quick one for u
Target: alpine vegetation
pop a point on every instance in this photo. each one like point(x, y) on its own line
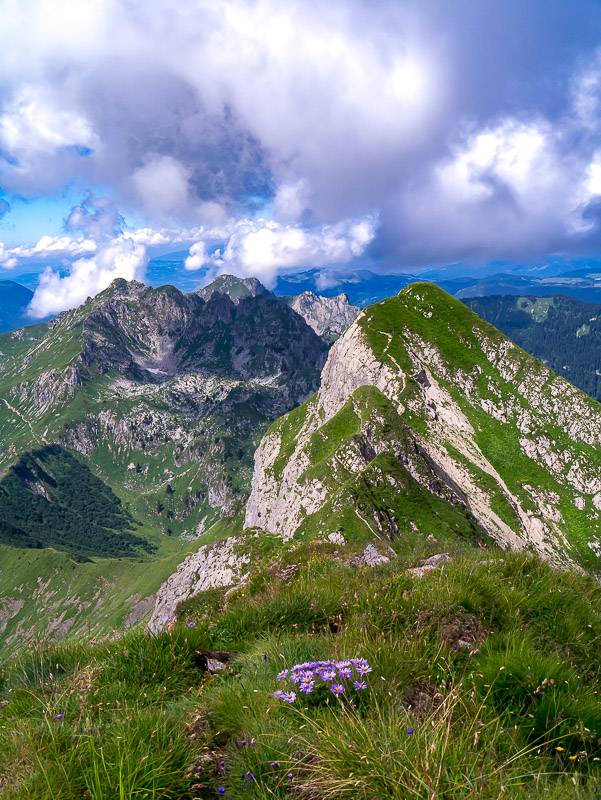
point(335, 676)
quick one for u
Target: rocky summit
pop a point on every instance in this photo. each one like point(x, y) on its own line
point(328, 316)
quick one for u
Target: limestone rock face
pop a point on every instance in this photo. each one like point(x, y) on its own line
point(423, 382)
point(211, 567)
point(328, 316)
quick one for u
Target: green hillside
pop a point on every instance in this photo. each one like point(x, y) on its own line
point(484, 683)
point(423, 382)
point(563, 332)
point(405, 613)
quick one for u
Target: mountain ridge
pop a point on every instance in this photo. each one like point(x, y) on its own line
point(563, 332)
point(161, 397)
point(458, 394)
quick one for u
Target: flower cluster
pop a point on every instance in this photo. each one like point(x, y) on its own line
point(335, 675)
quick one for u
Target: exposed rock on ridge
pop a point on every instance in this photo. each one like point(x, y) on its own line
point(211, 567)
point(328, 316)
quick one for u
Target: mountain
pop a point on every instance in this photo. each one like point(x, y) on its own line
point(235, 288)
point(328, 316)
point(563, 332)
point(127, 428)
point(362, 287)
point(584, 284)
point(406, 615)
point(428, 418)
point(14, 300)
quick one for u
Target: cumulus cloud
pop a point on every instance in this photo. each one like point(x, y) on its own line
point(121, 258)
point(473, 128)
point(96, 217)
point(7, 260)
point(34, 124)
point(47, 247)
point(291, 201)
point(515, 188)
point(261, 248)
point(162, 185)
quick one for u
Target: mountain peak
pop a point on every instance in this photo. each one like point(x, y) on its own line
point(420, 386)
point(328, 316)
point(234, 287)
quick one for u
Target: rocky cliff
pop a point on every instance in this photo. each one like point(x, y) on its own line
point(420, 394)
point(328, 316)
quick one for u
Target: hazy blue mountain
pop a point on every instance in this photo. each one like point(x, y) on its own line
point(582, 284)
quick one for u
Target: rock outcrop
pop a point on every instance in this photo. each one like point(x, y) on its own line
point(328, 316)
point(212, 566)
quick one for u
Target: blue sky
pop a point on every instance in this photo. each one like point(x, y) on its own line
point(263, 136)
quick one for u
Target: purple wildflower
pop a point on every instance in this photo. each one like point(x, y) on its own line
point(345, 673)
point(59, 716)
point(409, 731)
point(362, 666)
point(328, 675)
point(283, 675)
point(250, 776)
point(221, 790)
point(190, 624)
point(288, 697)
point(279, 694)
point(359, 685)
point(306, 687)
point(275, 764)
point(337, 689)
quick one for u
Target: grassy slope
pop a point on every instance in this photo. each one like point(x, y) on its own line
point(456, 331)
point(85, 599)
point(515, 714)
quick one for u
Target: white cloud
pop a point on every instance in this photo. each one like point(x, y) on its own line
point(261, 248)
point(343, 107)
point(7, 260)
point(122, 258)
point(33, 124)
point(519, 156)
point(47, 247)
point(198, 256)
point(162, 185)
point(290, 201)
point(511, 188)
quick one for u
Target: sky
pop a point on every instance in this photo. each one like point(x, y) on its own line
point(274, 135)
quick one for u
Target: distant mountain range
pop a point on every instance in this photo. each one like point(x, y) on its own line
point(364, 287)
